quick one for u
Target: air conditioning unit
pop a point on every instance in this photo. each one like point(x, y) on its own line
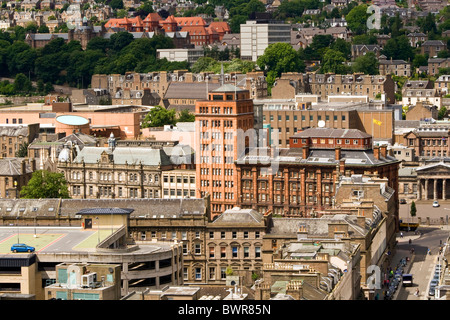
point(88, 280)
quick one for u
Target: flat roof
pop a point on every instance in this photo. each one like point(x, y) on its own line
point(57, 240)
point(72, 120)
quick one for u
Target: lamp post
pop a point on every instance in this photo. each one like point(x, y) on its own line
point(98, 230)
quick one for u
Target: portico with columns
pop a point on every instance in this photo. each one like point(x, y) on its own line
point(433, 181)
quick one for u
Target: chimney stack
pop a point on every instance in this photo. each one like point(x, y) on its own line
point(305, 152)
point(376, 152)
point(337, 153)
point(361, 220)
point(383, 151)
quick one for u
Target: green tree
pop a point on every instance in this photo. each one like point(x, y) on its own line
point(43, 29)
point(22, 83)
point(23, 150)
point(357, 19)
point(204, 64)
point(442, 113)
point(342, 46)
point(398, 48)
point(420, 60)
point(45, 184)
point(158, 117)
point(279, 58)
point(413, 209)
point(368, 64)
point(333, 62)
point(116, 4)
point(186, 116)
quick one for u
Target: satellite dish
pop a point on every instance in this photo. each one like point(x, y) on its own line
point(321, 124)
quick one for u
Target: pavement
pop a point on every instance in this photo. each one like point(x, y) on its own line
point(395, 258)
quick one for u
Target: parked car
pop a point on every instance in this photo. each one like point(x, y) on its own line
point(21, 247)
point(402, 201)
point(435, 204)
point(432, 291)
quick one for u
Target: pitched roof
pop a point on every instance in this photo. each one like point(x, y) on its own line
point(240, 216)
point(122, 155)
point(12, 166)
point(333, 133)
point(227, 88)
point(195, 90)
point(190, 21)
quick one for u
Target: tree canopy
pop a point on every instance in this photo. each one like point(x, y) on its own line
point(279, 58)
point(45, 184)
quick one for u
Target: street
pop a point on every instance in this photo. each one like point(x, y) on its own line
point(421, 264)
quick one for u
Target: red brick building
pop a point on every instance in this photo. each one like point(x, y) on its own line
point(218, 121)
point(199, 31)
point(303, 177)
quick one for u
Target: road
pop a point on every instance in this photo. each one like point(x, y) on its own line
point(421, 264)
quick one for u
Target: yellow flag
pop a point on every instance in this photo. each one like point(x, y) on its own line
point(377, 122)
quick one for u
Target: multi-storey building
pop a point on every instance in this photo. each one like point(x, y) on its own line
point(178, 184)
point(104, 172)
point(428, 141)
point(442, 84)
point(160, 84)
point(256, 37)
point(394, 67)
point(356, 84)
point(432, 47)
point(284, 118)
point(15, 135)
point(292, 181)
point(15, 174)
point(220, 119)
point(434, 64)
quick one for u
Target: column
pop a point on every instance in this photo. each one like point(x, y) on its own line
point(444, 183)
point(435, 189)
point(426, 189)
point(419, 189)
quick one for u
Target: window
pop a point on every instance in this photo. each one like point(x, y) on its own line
point(234, 252)
point(197, 248)
point(223, 273)
point(246, 252)
point(211, 252)
point(198, 274)
point(257, 252)
point(212, 273)
point(223, 252)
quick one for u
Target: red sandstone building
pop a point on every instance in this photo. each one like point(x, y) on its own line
point(303, 177)
point(200, 33)
point(218, 121)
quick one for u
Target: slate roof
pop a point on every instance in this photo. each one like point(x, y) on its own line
point(227, 88)
point(14, 131)
point(122, 155)
point(315, 157)
point(238, 215)
point(182, 90)
point(108, 211)
point(12, 166)
point(331, 133)
point(149, 208)
point(314, 226)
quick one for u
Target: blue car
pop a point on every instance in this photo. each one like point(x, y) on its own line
point(21, 247)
